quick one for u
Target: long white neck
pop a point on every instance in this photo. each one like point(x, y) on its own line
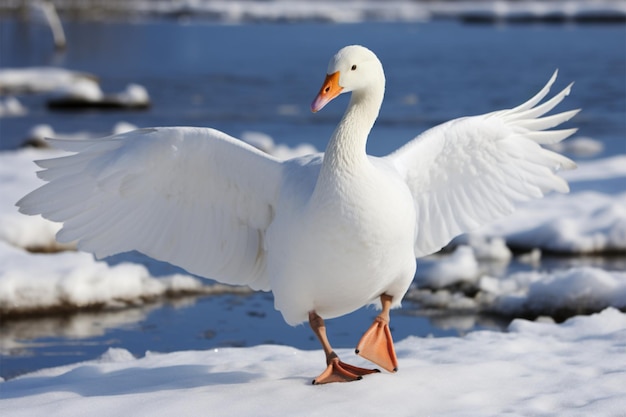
point(345, 152)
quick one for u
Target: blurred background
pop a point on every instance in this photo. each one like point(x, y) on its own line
point(90, 68)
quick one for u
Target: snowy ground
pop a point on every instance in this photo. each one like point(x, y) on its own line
point(577, 368)
point(65, 88)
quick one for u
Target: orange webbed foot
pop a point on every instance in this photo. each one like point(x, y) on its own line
point(376, 346)
point(338, 371)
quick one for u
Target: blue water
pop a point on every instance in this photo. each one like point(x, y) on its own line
point(236, 78)
point(241, 78)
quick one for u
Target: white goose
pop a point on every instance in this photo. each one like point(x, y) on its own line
point(327, 233)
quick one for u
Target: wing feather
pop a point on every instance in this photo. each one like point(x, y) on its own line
point(194, 197)
point(542, 109)
point(469, 171)
point(546, 122)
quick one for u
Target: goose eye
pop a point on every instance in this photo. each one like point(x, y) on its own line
point(353, 67)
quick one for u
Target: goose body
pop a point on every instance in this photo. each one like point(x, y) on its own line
point(327, 233)
point(331, 270)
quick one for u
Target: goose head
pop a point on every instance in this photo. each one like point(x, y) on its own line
point(353, 69)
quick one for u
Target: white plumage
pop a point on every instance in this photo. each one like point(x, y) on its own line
point(326, 233)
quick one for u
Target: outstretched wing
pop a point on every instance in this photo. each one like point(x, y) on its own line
point(194, 197)
point(470, 171)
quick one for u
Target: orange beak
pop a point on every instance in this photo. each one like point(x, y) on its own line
point(330, 89)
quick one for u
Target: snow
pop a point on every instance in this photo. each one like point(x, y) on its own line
point(558, 294)
point(576, 369)
point(573, 291)
point(265, 143)
point(591, 219)
point(439, 272)
point(11, 106)
point(83, 88)
point(84, 93)
point(66, 86)
point(71, 280)
point(42, 79)
point(133, 95)
point(17, 175)
point(350, 11)
point(471, 280)
point(38, 134)
point(579, 146)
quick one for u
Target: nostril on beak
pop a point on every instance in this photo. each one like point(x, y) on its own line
point(327, 89)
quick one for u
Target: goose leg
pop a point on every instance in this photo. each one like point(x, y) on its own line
point(376, 345)
point(336, 370)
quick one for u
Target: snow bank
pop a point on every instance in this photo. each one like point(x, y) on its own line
point(459, 282)
point(465, 265)
point(559, 294)
point(83, 94)
point(17, 177)
point(443, 271)
point(42, 79)
point(133, 95)
point(573, 369)
point(83, 88)
point(591, 219)
point(349, 11)
point(69, 89)
point(72, 280)
point(540, 11)
point(38, 134)
point(10, 107)
point(581, 146)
